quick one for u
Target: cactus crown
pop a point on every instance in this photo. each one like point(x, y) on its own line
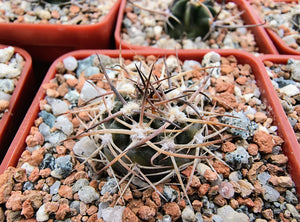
point(194, 18)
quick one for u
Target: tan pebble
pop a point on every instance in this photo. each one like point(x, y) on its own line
point(93, 218)
point(264, 141)
point(135, 205)
point(34, 176)
point(280, 159)
point(60, 68)
point(52, 93)
point(81, 175)
point(278, 140)
point(132, 16)
point(61, 150)
point(3, 105)
point(210, 175)
point(234, 203)
point(70, 179)
point(195, 182)
point(268, 63)
point(5, 191)
point(92, 209)
point(37, 157)
point(247, 202)
point(55, 14)
point(228, 147)
point(45, 172)
point(50, 85)
point(203, 189)
point(260, 117)
point(241, 80)
point(50, 181)
point(221, 86)
point(20, 175)
point(221, 168)
point(252, 149)
point(18, 187)
point(128, 215)
point(156, 198)
point(38, 121)
point(63, 89)
point(14, 202)
point(197, 205)
point(65, 191)
point(27, 209)
point(36, 139)
point(74, 9)
point(268, 122)
point(62, 211)
point(85, 218)
point(268, 214)
point(72, 82)
point(219, 200)
point(84, 116)
point(146, 213)
point(173, 210)
point(39, 185)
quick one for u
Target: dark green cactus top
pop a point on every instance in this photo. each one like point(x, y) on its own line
point(194, 17)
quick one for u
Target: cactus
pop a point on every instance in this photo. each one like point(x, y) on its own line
point(153, 129)
point(195, 18)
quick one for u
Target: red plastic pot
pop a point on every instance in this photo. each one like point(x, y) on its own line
point(18, 104)
point(46, 42)
point(291, 146)
point(282, 47)
point(262, 39)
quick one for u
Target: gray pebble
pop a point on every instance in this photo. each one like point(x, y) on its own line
point(88, 194)
point(270, 194)
point(79, 184)
point(170, 194)
point(55, 187)
point(63, 167)
point(48, 118)
point(110, 186)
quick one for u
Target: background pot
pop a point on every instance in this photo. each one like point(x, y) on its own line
point(48, 41)
point(281, 46)
point(263, 41)
point(18, 104)
point(291, 147)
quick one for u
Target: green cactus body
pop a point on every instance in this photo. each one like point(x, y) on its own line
point(195, 18)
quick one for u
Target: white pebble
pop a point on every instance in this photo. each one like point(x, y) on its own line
point(59, 107)
point(188, 215)
point(70, 63)
point(290, 90)
point(84, 147)
point(64, 124)
point(7, 71)
point(88, 194)
point(113, 214)
point(6, 54)
point(41, 214)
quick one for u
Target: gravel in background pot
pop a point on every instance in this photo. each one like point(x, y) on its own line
point(282, 23)
point(138, 28)
point(17, 85)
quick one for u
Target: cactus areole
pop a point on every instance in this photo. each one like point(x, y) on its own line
point(195, 18)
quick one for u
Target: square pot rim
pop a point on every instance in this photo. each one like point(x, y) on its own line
point(290, 147)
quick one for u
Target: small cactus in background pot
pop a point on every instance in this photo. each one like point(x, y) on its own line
point(194, 18)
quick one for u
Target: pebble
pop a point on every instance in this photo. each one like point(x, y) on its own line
point(64, 124)
point(55, 187)
point(70, 63)
point(79, 184)
point(63, 167)
point(112, 214)
point(88, 194)
point(7, 85)
point(41, 214)
point(188, 215)
point(290, 90)
point(230, 215)
point(270, 194)
point(84, 147)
